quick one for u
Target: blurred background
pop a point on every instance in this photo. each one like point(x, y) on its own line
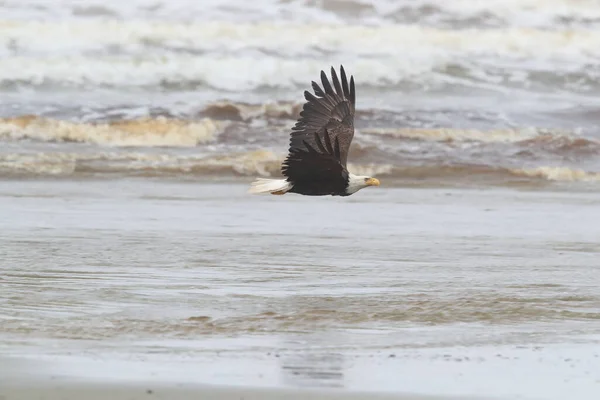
point(462, 92)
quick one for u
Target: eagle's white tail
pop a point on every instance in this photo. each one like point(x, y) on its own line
point(273, 186)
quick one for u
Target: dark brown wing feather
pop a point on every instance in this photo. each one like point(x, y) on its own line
point(327, 117)
point(316, 169)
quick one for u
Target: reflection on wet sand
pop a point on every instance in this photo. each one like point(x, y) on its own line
point(305, 369)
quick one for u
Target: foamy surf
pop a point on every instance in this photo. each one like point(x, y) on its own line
point(444, 134)
point(428, 155)
point(479, 135)
point(248, 56)
point(147, 132)
point(262, 163)
point(290, 39)
point(265, 166)
point(218, 116)
point(562, 174)
point(246, 111)
point(526, 13)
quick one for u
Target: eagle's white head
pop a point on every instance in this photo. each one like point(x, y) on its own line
point(357, 182)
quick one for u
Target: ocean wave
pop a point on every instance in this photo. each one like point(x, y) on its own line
point(112, 37)
point(457, 14)
point(559, 174)
point(236, 111)
point(247, 73)
point(189, 72)
point(243, 126)
point(260, 162)
point(267, 164)
point(242, 56)
point(543, 13)
point(527, 13)
point(448, 135)
point(148, 132)
point(543, 139)
point(481, 174)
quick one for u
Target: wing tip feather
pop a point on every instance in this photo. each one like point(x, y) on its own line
point(316, 115)
point(352, 91)
point(326, 84)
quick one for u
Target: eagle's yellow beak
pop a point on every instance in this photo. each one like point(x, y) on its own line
point(372, 182)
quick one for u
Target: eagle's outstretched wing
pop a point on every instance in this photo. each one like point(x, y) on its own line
point(323, 133)
point(320, 163)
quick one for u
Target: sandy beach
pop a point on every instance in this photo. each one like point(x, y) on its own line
point(134, 392)
point(441, 292)
point(499, 372)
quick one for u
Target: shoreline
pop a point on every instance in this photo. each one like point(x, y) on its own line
point(533, 371)
point(150, 390)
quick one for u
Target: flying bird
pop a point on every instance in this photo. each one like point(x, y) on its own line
point(319, 145)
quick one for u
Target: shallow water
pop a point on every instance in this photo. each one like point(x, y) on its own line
point(157, 270)
point(384, 259)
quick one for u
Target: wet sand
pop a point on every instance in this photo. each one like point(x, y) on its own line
point(500, 372)
point(149, 391)
point(110, 283)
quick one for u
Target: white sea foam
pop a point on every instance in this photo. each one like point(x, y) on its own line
point(262, 163)
point(545, 13)
point(37, 37)
point(247, 112)
point(266, 164)
point(564, 174)
point(488, 136)
point(236, 56)
point(144, 132)
point(59, 38)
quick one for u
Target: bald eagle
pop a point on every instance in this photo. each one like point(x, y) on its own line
point(319, 144)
